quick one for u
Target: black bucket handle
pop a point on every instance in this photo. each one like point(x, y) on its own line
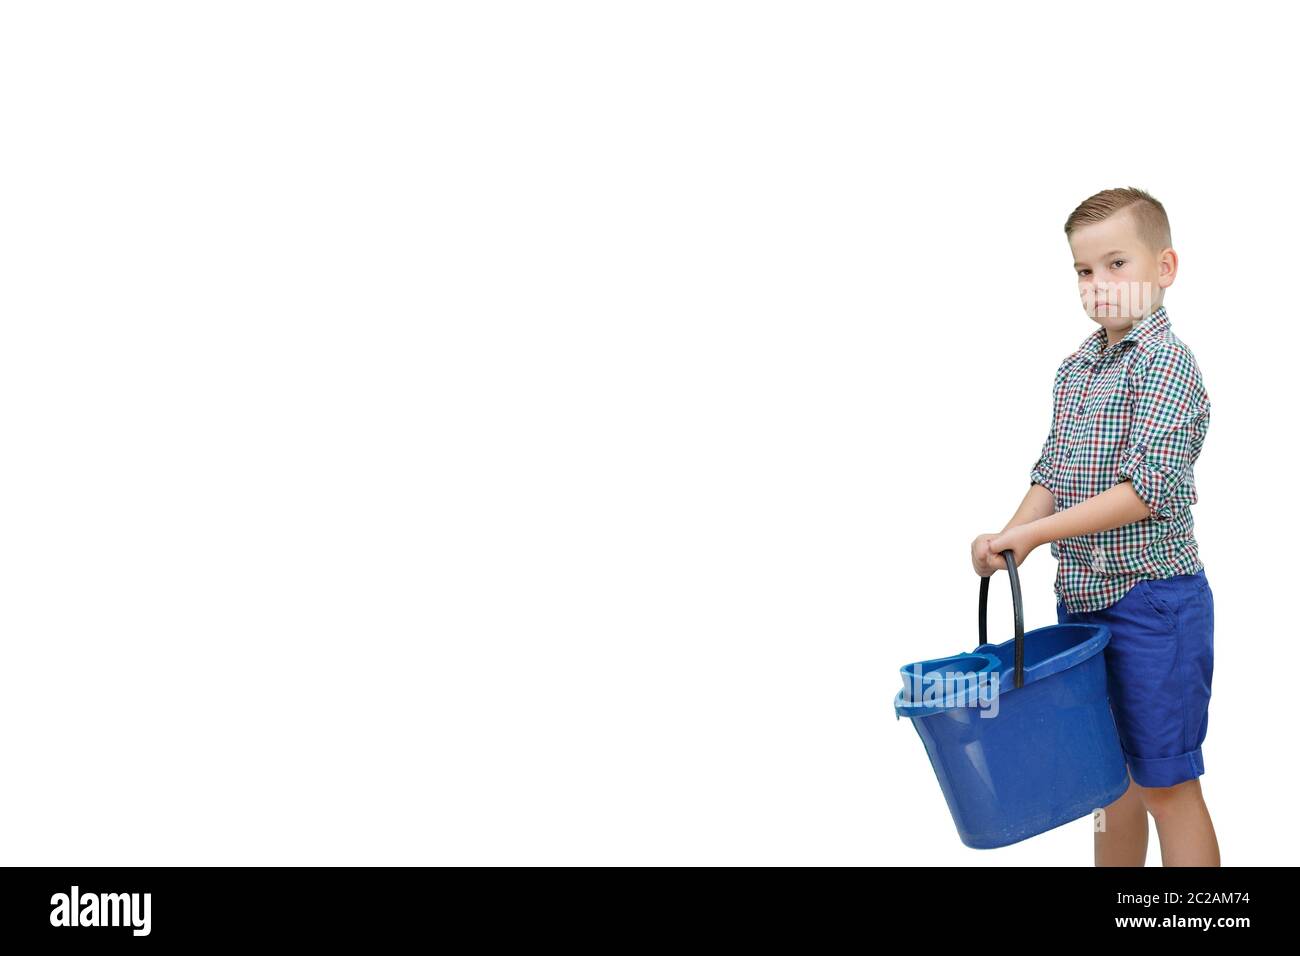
point(1010, 557)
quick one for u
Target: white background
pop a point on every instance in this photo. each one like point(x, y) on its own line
point(513, 433)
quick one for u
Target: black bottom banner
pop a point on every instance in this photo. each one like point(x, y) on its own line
point(912, 906)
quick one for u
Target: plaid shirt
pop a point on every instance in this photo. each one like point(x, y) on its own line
point(1136, 410)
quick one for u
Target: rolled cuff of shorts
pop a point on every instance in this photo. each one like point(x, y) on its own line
point(1151, 484)
point(1166, 771)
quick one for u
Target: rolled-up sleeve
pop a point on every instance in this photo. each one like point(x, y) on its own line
point(1171, 414)
point(1044, 470)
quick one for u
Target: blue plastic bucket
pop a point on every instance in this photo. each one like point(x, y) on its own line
point(1020, 734)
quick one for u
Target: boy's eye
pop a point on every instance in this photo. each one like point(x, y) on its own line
point(1118, 263)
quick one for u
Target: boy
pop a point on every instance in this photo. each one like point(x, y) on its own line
point(1112, 492)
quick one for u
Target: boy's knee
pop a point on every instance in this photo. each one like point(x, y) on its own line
point(1160, 799)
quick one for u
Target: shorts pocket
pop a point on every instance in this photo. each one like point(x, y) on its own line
point(1154, 599)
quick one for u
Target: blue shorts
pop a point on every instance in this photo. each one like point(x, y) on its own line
point(1159, 662)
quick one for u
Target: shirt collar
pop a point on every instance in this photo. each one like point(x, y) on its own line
point(1151, 325)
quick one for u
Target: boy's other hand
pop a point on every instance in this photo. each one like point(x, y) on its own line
point(983, 557)
point(1019, 540)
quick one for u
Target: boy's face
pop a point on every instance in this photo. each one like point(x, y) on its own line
point(1120, 278)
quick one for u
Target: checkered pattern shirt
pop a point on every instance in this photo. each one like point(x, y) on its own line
point(1135, 410)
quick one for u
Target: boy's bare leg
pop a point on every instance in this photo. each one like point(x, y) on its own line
point(1123, 842)
point(1183, 823)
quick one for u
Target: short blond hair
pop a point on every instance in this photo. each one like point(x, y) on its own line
point(1148, 214)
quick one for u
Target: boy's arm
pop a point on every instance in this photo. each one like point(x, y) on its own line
point(1038, 503)
point(1118, 505)
point(1171, 413)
